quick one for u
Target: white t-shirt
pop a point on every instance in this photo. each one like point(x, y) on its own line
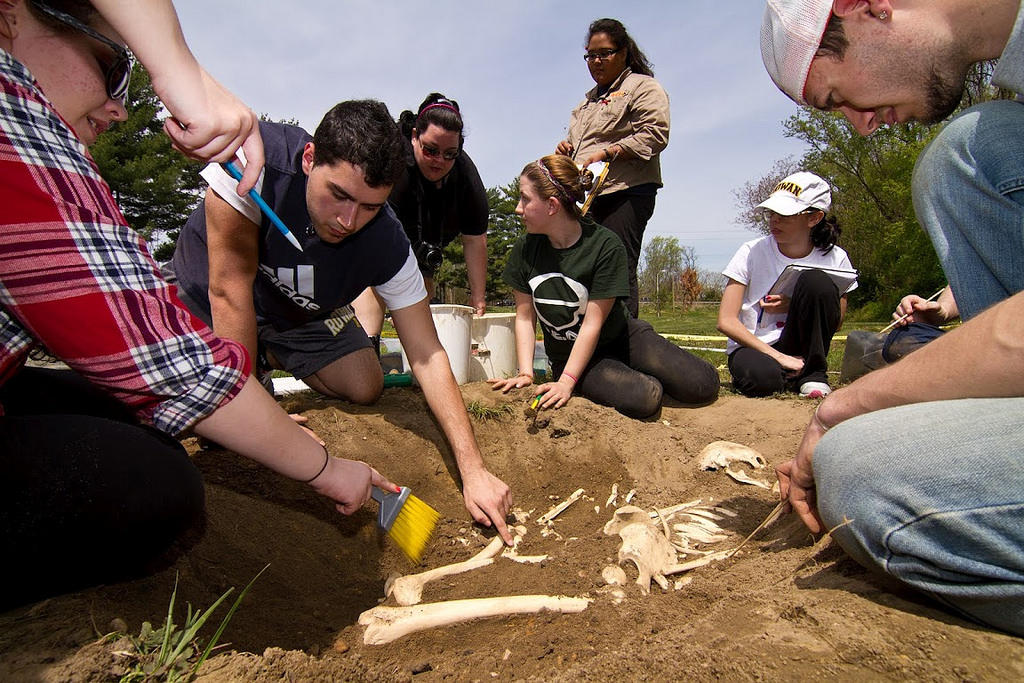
point(757, 264)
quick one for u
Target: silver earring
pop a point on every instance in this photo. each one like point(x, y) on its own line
point(883, 15)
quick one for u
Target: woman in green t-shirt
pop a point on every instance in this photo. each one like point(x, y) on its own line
point(571, 274)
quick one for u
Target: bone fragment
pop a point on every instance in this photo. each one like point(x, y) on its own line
point(719, 454)
point(614, 575)
point(625, 515)
point(742, 477)
point(408, 590)
point(511, 554)
point(385, 624)
point(560, 508)
point(613, 497)
point(629, 496)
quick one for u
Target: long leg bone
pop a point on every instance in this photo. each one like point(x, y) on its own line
point(385, 624)
point(408, 590)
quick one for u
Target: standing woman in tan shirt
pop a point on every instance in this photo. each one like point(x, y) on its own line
point(624, 119)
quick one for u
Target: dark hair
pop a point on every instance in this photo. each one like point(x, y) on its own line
point(636, 60)
point(833, 41)
point(362, 133)
point(82, 10)
point(437, 110)
point(825, 233)
point(556, 175)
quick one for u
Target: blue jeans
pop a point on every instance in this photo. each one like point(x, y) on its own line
point(969, 196)
point(935, 492)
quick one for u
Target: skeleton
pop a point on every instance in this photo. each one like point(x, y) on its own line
point(385, 624)
point(652, 540)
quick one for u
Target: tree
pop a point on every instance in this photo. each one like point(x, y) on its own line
point(665, 264)
point(503, 229)
point(156, 187)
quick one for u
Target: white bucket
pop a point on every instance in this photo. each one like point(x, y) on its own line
point(493, 353)
point(453, 324)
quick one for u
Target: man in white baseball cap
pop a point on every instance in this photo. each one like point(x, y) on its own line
point(947, 519)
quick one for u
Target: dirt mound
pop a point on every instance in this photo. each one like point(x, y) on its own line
point(777, 610)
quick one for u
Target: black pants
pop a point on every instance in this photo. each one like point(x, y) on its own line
point(87, 494)
point(626, 215)
point(648, 366)
point(813, 318)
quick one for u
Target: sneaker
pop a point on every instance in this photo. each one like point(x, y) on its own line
point(814, 390)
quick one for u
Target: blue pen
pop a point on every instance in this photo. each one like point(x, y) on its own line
point(278, 223)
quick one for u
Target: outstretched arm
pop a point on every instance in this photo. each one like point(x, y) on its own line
point(488, 498)
point(207, 122)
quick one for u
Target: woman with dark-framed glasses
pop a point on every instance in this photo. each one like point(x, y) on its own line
point(94, 486)
point(623, 120)
point(438, 198)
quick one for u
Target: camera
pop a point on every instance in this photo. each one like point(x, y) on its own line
point(429, 255)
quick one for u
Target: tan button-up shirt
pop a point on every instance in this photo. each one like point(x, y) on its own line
point(633, 114)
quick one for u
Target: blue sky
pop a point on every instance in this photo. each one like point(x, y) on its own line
point(516, 69)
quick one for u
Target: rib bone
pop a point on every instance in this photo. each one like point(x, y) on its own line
point(385, 624)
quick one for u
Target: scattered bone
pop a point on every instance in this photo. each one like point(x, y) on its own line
point(511, 554)
point(560, 508)
point(718, 455)
point(614, 497)
point(669, 511)
point(614, 575)
point(408, 590)
point(386, 624)
point(629, 496)
point(742, 477)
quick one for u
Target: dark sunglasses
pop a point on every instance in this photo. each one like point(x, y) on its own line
point(434, 152)
point(118, 73)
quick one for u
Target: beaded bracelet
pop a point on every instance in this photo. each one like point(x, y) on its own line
point(327, 459)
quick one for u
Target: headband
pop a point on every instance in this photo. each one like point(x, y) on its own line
point(439, 104)
point(558, 186)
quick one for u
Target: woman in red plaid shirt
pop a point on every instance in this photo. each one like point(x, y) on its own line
point(90, 474)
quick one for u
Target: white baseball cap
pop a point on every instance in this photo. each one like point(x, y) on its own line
point(799, 192)
point(791, 32)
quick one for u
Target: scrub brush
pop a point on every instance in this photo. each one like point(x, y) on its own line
point(408, 520)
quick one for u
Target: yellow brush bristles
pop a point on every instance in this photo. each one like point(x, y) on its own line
point(413, 528)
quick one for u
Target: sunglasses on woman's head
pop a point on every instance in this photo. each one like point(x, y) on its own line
point(118, 72)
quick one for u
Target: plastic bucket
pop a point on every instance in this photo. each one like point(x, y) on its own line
point(493, 349)
point(453, 325)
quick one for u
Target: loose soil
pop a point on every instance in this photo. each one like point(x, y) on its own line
point(780, 609)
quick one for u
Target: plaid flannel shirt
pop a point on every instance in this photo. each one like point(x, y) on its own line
point(76, 278)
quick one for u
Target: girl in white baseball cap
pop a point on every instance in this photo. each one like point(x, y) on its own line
point(780, 322)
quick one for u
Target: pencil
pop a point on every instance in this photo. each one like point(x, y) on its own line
point(903, 317)
point(255, 196)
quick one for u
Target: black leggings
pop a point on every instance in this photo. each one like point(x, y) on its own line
point(634, 381)
point(813, 318)
point(87, 495)
point(626, 215)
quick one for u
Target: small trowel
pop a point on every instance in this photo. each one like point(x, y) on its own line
point(533, 409)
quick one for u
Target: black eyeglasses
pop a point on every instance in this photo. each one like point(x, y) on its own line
point(118, 73)
point(434, 152)
point(600, 54)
